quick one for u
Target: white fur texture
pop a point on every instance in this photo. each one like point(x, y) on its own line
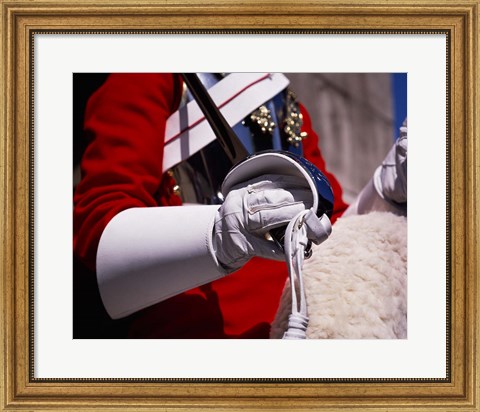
point(356, 281)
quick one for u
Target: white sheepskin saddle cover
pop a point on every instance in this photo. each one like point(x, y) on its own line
point(356, 281)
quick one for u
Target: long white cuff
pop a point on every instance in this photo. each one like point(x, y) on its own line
point(369, 200)
point(147, 255)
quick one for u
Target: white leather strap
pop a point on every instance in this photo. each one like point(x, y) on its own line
point(296, 241)
point(237, 95)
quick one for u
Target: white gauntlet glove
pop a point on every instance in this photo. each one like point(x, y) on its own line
point(149, 254)
point(390, 178)
point(250, 210)
point(387, 189)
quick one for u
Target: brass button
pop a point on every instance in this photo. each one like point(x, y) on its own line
point(176, 190)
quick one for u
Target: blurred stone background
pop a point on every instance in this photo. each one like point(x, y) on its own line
point(356, 116)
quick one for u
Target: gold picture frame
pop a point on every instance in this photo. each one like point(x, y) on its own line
point(460, 391)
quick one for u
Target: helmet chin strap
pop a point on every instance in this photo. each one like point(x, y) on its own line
point(296, 242)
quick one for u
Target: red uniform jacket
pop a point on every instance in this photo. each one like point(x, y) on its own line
point(122, 168)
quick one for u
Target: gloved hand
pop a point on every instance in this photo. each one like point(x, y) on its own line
point(250, 210)
point(390, 178)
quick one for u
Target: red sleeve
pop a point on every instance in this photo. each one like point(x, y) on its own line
point(312, 153)
point(122, 165)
